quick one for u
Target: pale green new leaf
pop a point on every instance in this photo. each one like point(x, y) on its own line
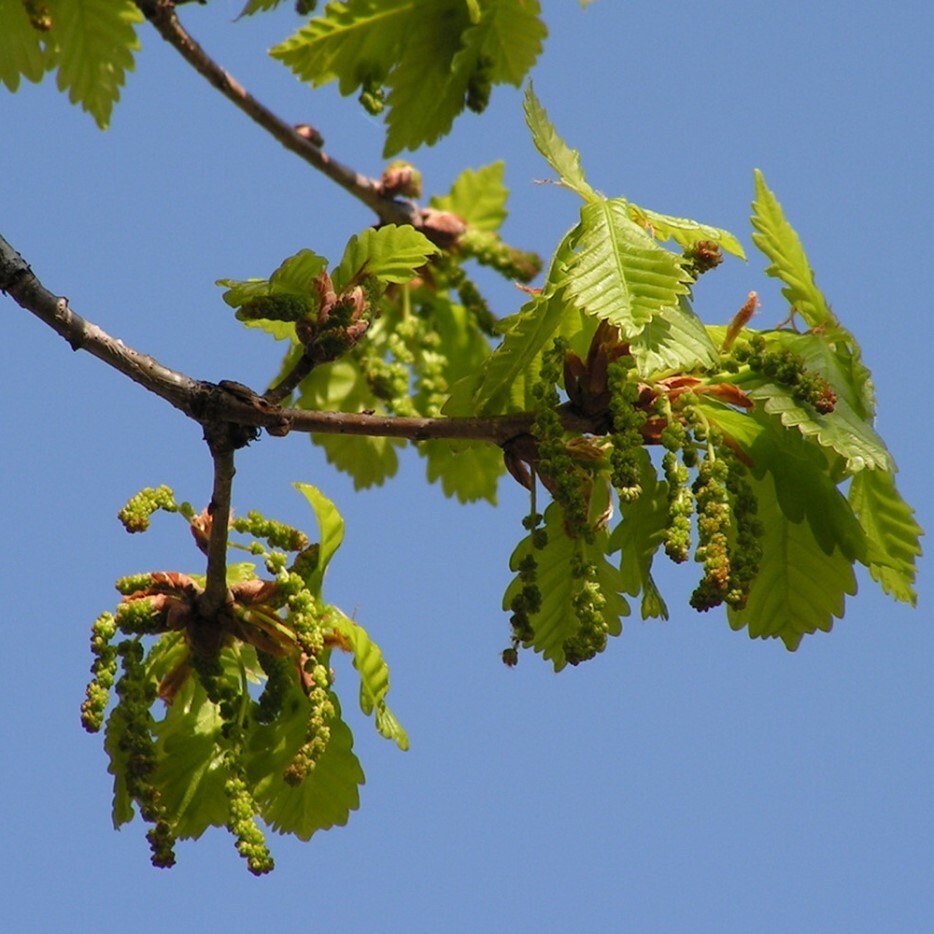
point(428, 86)
point(564, 160)
point(894, 535)
point(374, 676)
point(330, 531)
point(675, 339)
point(341, 387)
point(293, 277)
point(805, 487)
point(508, 34)
point(191, 773)
point(617, 272)
point(478, 196)
point(350, 42)
point(95, 41)
point(328, 793)
point(470, 472)
point(685, 232)
point(842, 430)
point(389, 254)
point(370, 461)
point(800, 587)
point(500, 385)
point(801, 474)
point(776, 238)
point(21, 50)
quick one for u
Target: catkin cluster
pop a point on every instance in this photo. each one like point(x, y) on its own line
point(280, 620)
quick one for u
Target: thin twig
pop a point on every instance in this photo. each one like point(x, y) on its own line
point(216, 593)
point(303, 367)
point(161, 13)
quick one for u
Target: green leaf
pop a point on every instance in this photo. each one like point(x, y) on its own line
point(841, 430)
point(470, 472)
point(330, 530)
point(389, 254)
point(478, 196)
point(499, 386)
point(429, 83)
point(370, 461)
point(119, 754)
point(445, 51)
point(341, 387)
point(328, 793)
point(804, 486)
point(293, 279)
point(776, 238)
point(685, 232)
point(191, 773)
point(893, 533)
point(617, 272)
point(800, 587)
point(374, 677)
point(351, 42)
point(21, 46)
point(509, 36)
point(95, 41)
point(427, 52)
point(675, 339)
point(556, 622)
point(564, 160)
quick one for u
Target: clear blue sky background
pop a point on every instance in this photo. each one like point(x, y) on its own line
point(689, 779)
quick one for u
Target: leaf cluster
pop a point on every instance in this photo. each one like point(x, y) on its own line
point(423, 60)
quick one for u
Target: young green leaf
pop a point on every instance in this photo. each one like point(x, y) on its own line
point(841, 430)
point(388, 254)
point(500, 386)
point(342, 387)
point(327, 794)
point(349, 42)
point(470, 472)
point(21, 51)
point(800, 586)
point(617, 272)
point(675, 339)
point(258, 6)
point(374, 677)
point(641, 529)
point(330, 530)
point(776, 238)
point(478, 196)
point(95, 41)
point(291, 284)
point(564, 160)
point(685, 232)
point(190, 774)
point(894, 535)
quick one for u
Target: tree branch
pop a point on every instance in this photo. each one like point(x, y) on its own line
point(161, 13)
point(17, 279)
point(228, 402)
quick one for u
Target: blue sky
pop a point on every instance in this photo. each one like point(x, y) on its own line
point(689, 779)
